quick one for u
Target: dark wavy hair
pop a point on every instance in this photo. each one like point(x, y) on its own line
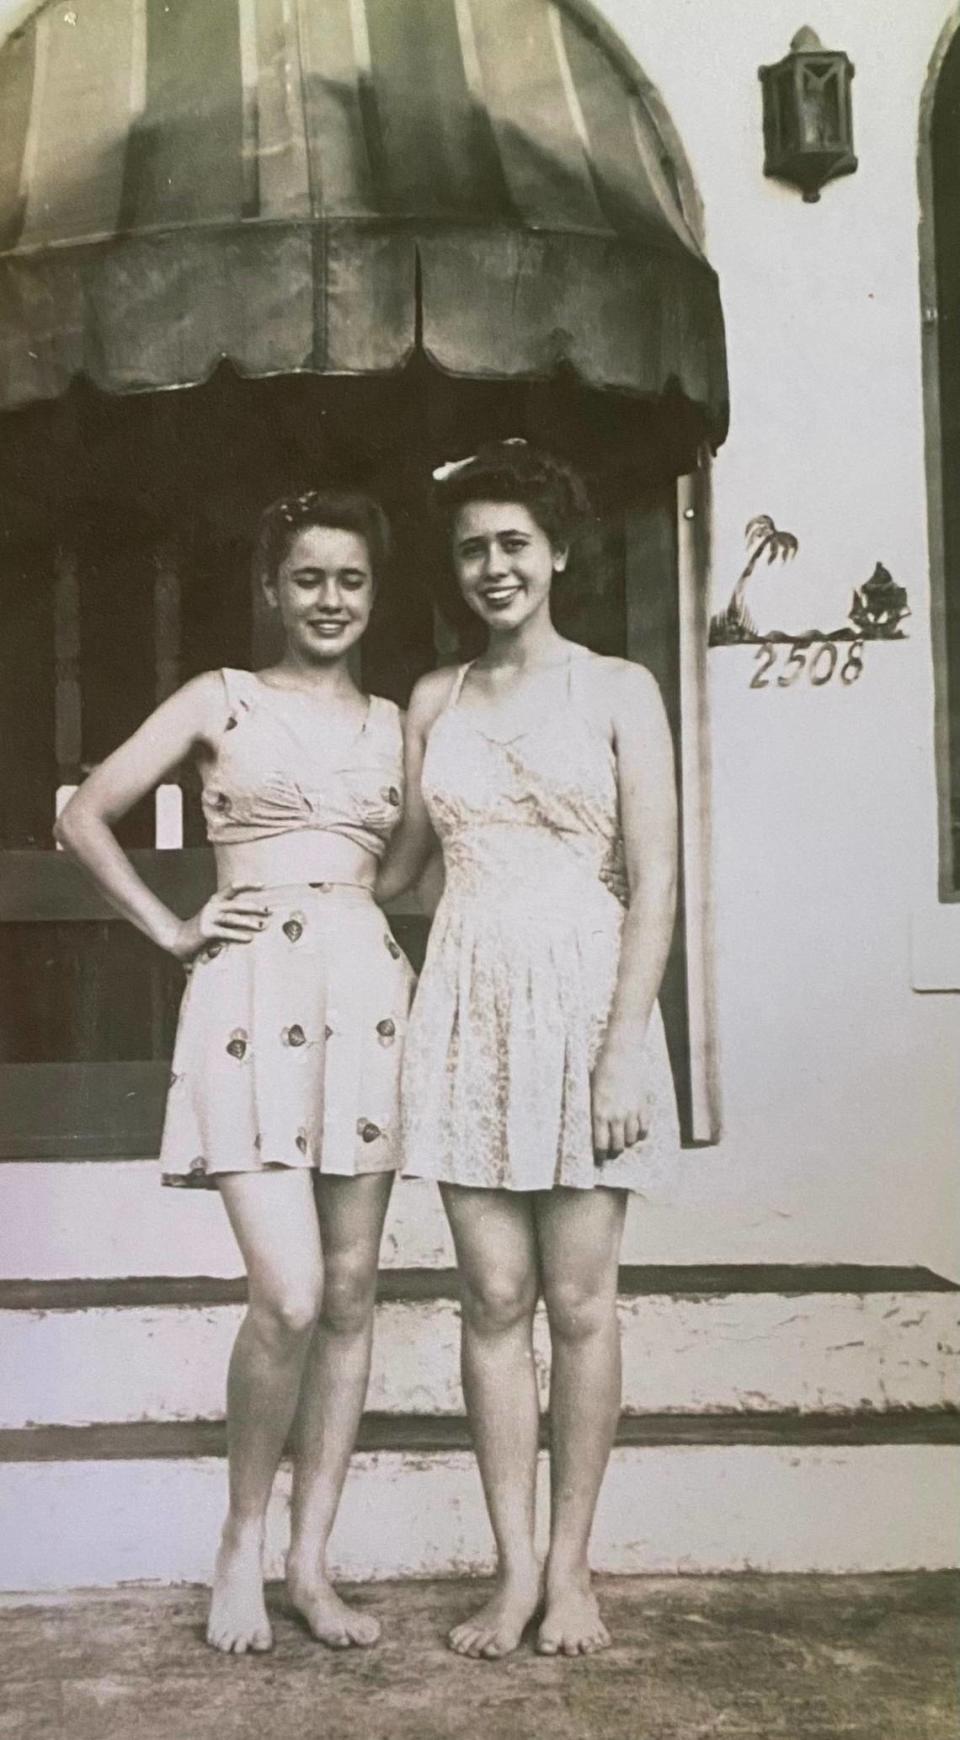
point(552, 492)
point(339, 510)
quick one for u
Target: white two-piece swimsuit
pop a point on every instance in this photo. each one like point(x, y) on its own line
point(288, 1047)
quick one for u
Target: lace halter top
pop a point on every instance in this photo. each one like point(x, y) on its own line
point(540, 808)
point(272, 773)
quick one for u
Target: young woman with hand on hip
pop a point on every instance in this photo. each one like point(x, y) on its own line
point(284, 1086)
point(536, 1083)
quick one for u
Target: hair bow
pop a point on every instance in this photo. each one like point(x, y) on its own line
point(453, 467)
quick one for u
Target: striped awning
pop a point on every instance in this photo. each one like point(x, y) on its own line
point(326, 185)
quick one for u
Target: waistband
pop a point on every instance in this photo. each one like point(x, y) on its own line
point(493, 902)
point(361, 891)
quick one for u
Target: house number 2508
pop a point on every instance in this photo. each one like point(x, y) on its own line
point(820, 660)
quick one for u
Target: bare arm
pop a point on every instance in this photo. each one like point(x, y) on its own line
point(648, 813)
point(414, 843)
point(193, 716)
point(431, 884)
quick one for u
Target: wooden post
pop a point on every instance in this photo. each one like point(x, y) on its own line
point(693, 548)
point(168, 801)
point(168, 798)
point(671, 548)
point(68, 717)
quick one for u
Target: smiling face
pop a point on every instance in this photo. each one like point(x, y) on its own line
point(504, 562)
point(323, 590)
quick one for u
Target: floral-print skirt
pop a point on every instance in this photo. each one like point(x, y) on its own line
point(508, 1021)
point(288, 1047)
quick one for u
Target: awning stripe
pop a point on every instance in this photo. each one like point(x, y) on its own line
point(85, 73)
point(340, 171)
point(625, 188)
point(479, 127)
point(16, 91)
point(541, 154)
point(138, 61)
point(370, 121)
point(284, 173)
point(250, 80)
point(469, 52)
point(186, 156)
point(652, 172)
point(360, 32)
point(431, 165)
point(566, 79)
point(33, 143)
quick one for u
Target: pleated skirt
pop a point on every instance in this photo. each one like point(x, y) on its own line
point(288, 1047)
point(509, 1018)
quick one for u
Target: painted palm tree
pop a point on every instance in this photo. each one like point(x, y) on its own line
point(762, 536)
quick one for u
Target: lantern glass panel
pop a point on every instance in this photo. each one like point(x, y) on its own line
point(783, 108)
point(820, 104)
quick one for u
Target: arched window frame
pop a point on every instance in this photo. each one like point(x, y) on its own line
point(949, 893)
point(935, 923)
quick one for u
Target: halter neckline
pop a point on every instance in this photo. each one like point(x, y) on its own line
point(453, 701)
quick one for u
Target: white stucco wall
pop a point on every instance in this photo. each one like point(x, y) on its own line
point(839, 1081)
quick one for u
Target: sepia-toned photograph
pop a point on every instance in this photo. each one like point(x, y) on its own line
point(479, 870)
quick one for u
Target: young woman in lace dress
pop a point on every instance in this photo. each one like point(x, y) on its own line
point(536, 1083)
point(284, 1086)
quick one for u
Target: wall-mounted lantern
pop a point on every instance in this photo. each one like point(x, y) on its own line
point(807, 120)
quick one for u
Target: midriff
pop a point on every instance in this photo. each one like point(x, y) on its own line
point(302, 855)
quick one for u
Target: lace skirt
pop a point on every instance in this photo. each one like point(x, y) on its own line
point(288, 1047)
point(506, 1028)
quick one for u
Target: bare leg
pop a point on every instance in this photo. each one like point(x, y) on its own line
point(497, 1255)
point(275, 1222)
point(579, 1234)
point(332, 1395)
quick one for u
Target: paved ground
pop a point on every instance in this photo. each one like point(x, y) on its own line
point(739, 1658)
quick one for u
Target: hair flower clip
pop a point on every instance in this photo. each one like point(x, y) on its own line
point(453, 467)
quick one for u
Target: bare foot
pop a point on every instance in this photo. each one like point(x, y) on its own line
point(331, 1620)
point(496, 1628)
point(572, 1624)
point(238, 1617)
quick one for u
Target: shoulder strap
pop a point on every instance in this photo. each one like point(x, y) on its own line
point(577, 663)
point(241, 688)
point(457, 684)
point(384, 722)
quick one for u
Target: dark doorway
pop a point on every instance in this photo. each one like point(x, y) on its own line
point(125, 531)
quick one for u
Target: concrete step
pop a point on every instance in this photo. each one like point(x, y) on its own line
point(695, 1340)
point(96, 1507)
point(101, 1218)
